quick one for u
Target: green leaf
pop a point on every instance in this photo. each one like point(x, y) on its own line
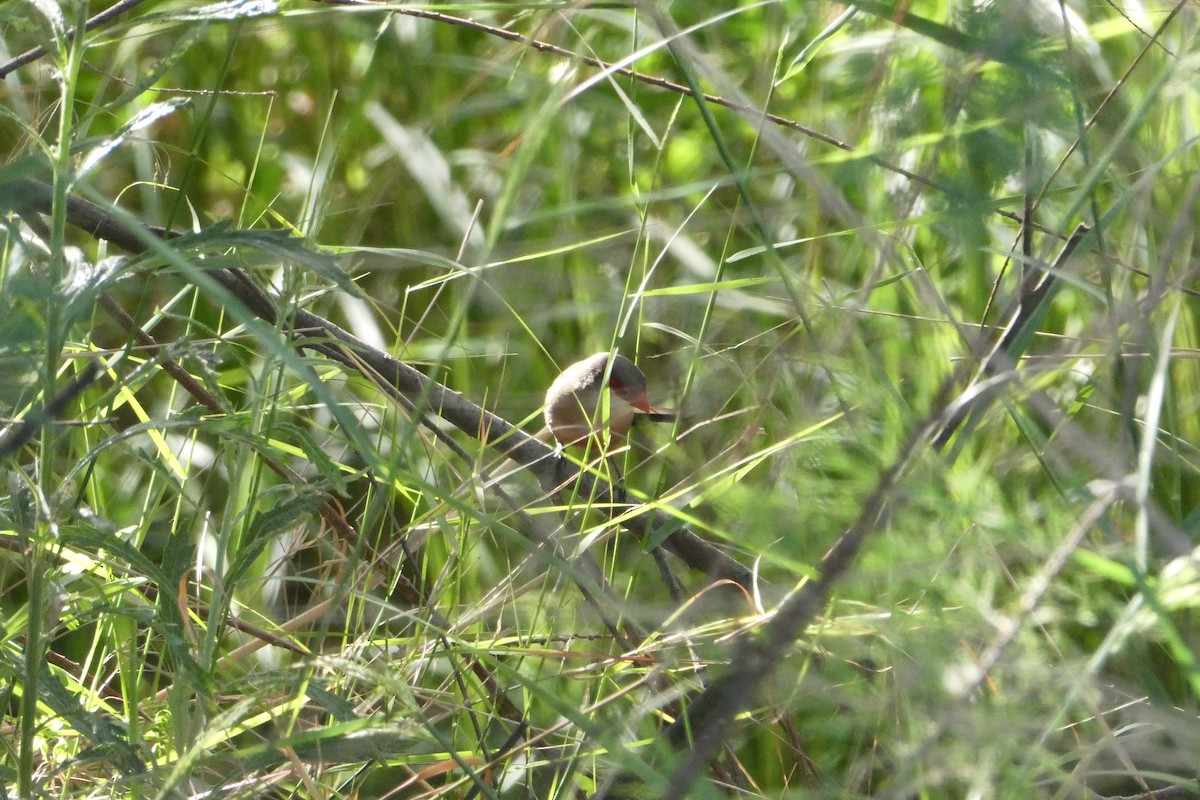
point(143, 119)
point(706, 288)
point(278, 244)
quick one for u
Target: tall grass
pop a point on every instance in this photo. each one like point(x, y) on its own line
point(233, 568)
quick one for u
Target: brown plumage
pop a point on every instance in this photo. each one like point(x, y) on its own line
point(574, 401)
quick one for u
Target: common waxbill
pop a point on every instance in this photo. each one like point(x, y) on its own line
point(574, 401)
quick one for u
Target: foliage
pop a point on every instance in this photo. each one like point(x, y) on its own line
point(180, 614)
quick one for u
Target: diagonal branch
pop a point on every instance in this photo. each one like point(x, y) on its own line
point(317, 333)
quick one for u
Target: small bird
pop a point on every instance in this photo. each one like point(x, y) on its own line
point(575, 407)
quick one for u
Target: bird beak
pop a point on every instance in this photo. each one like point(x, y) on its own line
point(641, 403)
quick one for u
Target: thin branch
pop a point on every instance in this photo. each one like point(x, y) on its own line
point(1036, 289)
point(29, 56)
point(757, 655)
point(21, 432)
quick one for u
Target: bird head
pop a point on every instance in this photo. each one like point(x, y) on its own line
point(578, 410)
point(628, 383)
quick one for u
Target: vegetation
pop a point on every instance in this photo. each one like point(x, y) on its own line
point(920, 278)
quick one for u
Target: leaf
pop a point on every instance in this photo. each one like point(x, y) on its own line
point(90, 538)
point(108, 740)
point(426, 163)
point(804, 56)
point(326, 467)
point(143, 119)
point(279, 244)
point(953, 39)
point(53, 14)
point(267, 525)
point(706, 288)
point(234, 9)
point(86, 280)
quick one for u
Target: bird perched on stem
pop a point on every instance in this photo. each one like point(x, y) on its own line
point(577, 408)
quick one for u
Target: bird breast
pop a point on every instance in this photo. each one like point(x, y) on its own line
point(575, 415)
